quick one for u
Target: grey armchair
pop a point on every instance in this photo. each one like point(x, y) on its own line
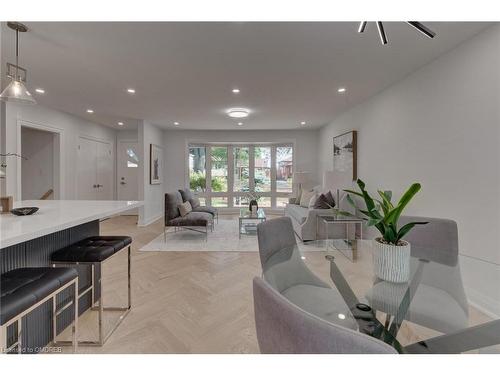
point(187, 195)
point(282, 327)
point(192, 221)
point(284, 269)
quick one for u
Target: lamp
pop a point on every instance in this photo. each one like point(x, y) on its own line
point(301, 178)
point(16, 91)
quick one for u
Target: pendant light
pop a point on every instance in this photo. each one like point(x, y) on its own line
point(16, 91)
point(383, 37)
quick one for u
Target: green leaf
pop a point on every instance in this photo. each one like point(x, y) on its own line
point(395, 213)
point(371, 222)
point(353, 192)
point(407, 227)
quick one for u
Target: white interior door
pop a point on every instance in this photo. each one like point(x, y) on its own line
point(104, 170)
point(127, 172)
point(87, 169)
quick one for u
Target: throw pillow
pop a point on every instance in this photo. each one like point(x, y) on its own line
point(306, 197)
point(312, 201)
point(321, 202)
point(195, 202)
point(185, 208)
point(329, 199)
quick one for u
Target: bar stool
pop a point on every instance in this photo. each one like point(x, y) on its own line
point(94, 251)
point(25, 289)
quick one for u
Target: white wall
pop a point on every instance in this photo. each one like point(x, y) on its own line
point(440, 127)
point(38, 167)
point(175, 143)
point(152, 195)
point(71, 128)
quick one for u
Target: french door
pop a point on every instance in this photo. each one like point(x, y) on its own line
point(94, 170)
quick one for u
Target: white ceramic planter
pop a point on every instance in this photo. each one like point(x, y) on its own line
point(391, 263)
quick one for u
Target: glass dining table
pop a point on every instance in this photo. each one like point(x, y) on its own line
point(428, 314)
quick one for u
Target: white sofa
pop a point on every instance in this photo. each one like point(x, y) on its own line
point(304, 220)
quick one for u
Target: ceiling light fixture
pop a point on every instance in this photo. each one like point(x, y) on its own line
point(90, 110)
point(341, 89)
point(303, 123)
point(16, 91)
point(383, 37)
point(236, 91)
point(120, 123)
point(131, 91)
point(238, 112)
point(240, 123)
point(40, 91)
point(176, 123)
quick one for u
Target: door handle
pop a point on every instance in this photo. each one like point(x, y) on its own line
point(123, 183)
point(94, 186)
point(99, 185)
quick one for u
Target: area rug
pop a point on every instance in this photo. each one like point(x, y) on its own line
point(223, 238)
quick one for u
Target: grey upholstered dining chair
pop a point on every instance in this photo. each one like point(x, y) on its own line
point(283, 327)
point(274, 235)
point(437, 244)
point(286, 272)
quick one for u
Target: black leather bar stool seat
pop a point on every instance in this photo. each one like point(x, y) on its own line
point(24, 289)
point(94, 251)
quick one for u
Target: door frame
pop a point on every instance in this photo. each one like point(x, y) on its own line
point(113, 157)
point(134, 211)
point(59, 156)
point(124, 140)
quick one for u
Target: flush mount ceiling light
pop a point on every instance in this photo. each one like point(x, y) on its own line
point(383, 37)
point(90, 110)
point(120, 123)
point(40, 90)
point(302, 123)
point(176, 123)
point(16, 91)
point(131, 91)
point(238, 112)
point(235, 91)
point(341, 89)
point(240, 123)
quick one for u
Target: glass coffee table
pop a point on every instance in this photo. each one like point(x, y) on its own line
point(248, 221)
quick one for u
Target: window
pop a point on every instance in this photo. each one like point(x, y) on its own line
point(262, 171)
point(222, 175)
point(241, 170)
point(219, 173)
point(197, 169)
point(284, 169)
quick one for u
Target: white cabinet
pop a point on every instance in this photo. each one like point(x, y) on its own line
point(94, 170)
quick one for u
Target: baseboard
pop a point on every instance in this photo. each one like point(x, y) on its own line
point(485, 304)
point(150, 221)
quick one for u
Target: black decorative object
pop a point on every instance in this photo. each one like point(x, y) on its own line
point(253, 202)
point(23, 211)
point(383, 37)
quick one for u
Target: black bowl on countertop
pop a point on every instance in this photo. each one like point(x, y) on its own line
point(23, 211)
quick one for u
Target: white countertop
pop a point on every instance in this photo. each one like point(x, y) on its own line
point(54, 216)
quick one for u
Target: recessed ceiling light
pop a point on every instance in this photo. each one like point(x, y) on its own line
point(240, 123)
point(236, 91)
point(238, 112)
point(341, 89)
point(303, 123)
point(120, 123)
point(131, 91)
point(176, 123)
point(341, 316)
point(40, 91)
point(90, 110)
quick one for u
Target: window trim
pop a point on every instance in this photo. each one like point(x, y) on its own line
point(231, 194)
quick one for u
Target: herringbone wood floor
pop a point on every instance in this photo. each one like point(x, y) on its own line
point(189, 302)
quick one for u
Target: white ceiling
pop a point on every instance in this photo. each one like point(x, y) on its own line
point(287, 72)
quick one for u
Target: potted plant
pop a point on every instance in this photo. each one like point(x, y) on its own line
point(254, 198)
point(391, 254)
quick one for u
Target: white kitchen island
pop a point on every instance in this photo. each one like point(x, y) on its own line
point(29, 241)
